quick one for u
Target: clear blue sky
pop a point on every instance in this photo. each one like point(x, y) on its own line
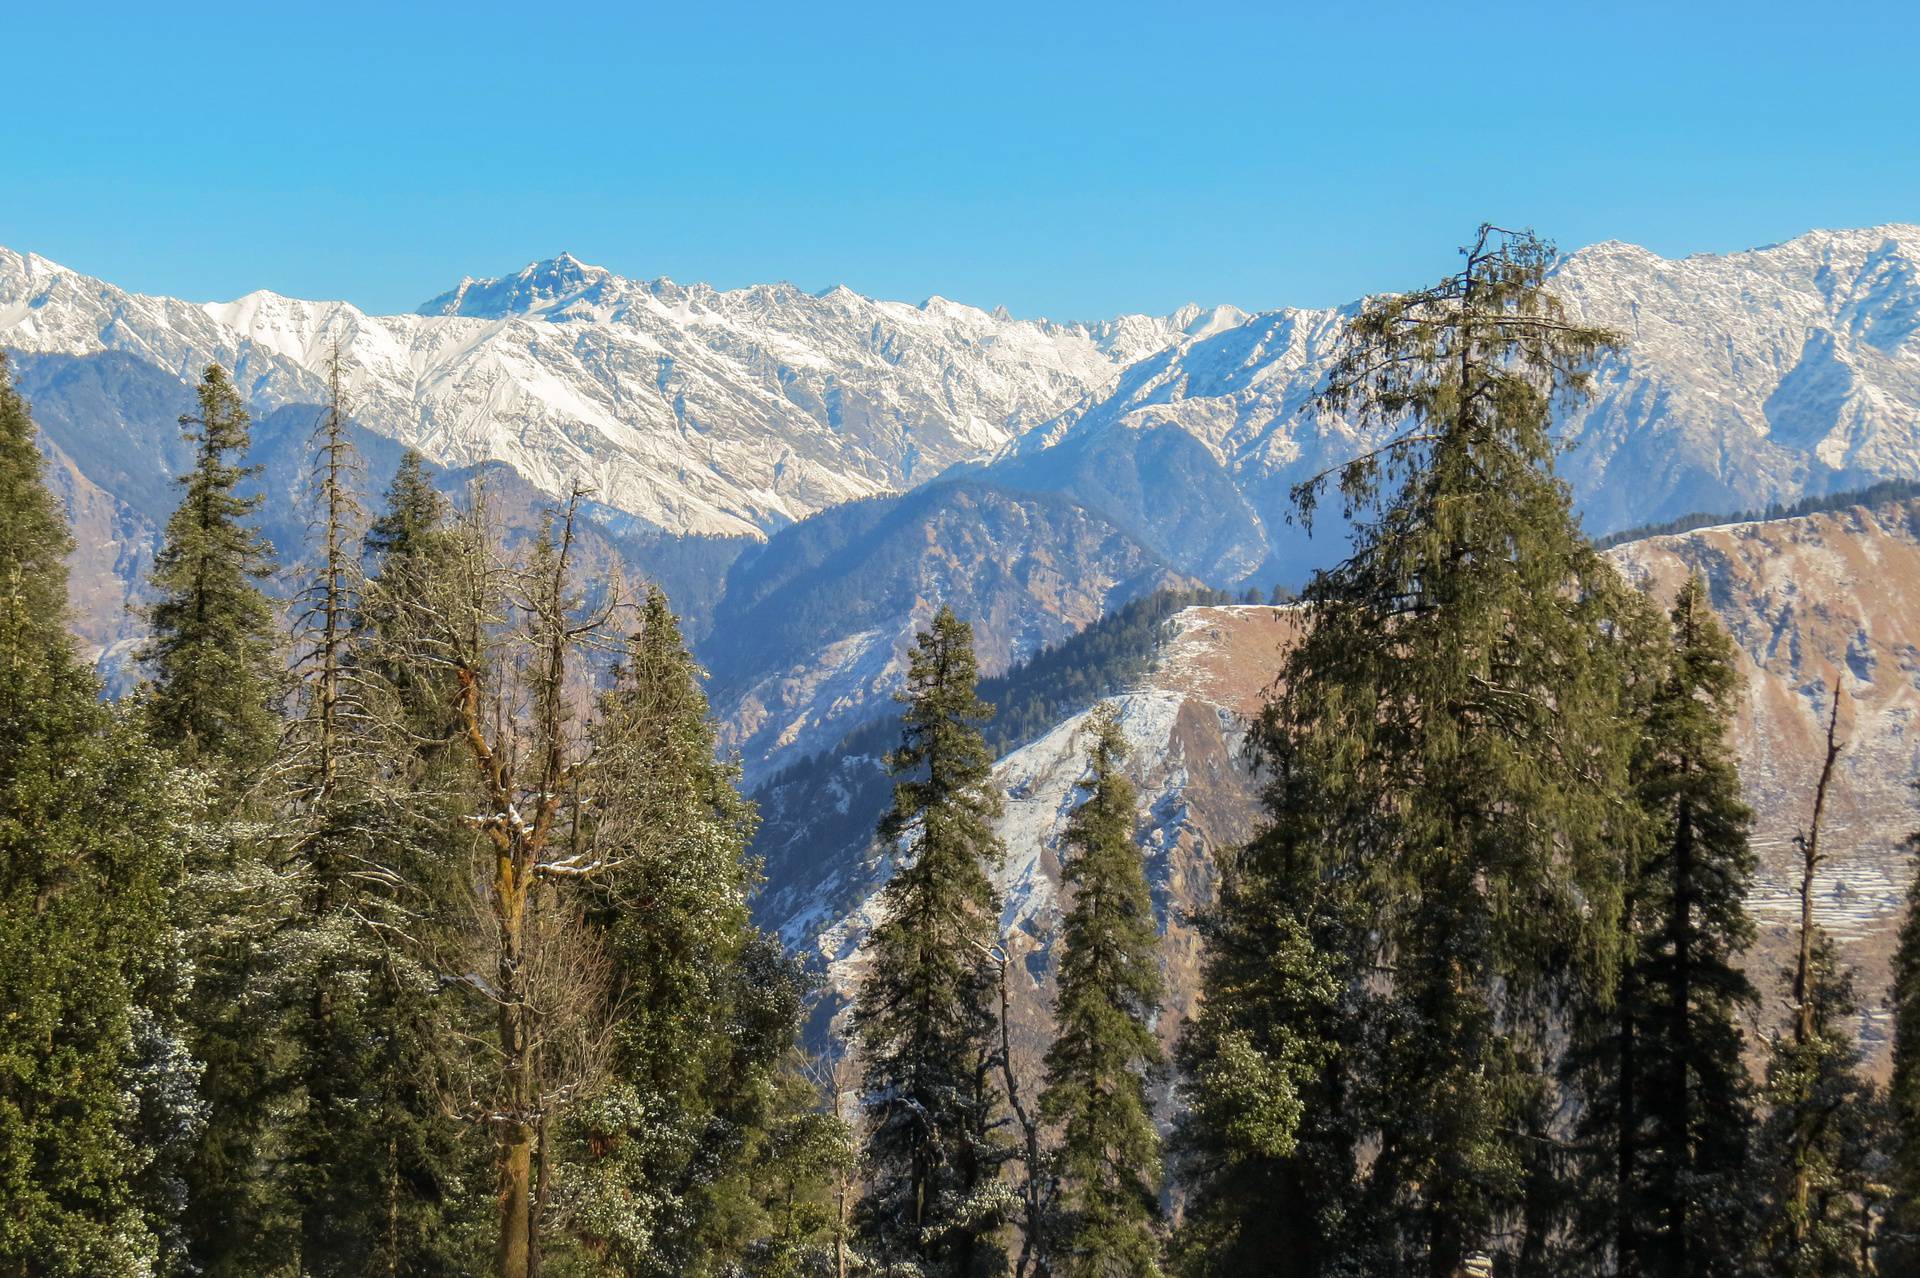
point(1071, 160)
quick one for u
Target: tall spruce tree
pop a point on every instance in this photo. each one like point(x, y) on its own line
point(1451, 759)
point(214, 683)
point(329, 825)
point(370, 857)
point(1667, 1185)
point(212, 661)
point(90, 855)
point(936, 1201)
point(669, 1158)
point(1104, 1052)
point(432, 1167)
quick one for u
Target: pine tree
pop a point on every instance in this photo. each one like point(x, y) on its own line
point(1267, 1146)
point(214, 682)
point(370, 856)
point(214, 672)
point(1450, 757)
point(924, 1014)
point(1819, 1144)
point(1666, 1098)
point(411, 551)
point(90, 853)
point(1822, 1131)
point(1899, 1248)
point(329, 811)
point(672, 1153)
point(1104, 1051)
point(431, 1167)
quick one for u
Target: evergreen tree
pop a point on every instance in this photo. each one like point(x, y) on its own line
point(371, 861)
point(1899, 1249)
point(1450, 759)
point(1667, 1186)
point(1820, 1143)
point(432, 1168)
point(1267, 1145)
point(1104, 1051)
point(215, 676)
point(212, 695)
point(936, 1202)
point(90, 853)
point(327, 774)
point(674, 1154)
point(411, 552)
point(1822, 1131)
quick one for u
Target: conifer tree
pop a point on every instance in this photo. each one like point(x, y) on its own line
point(1666, 1098)
point(1899, 1244)
point(1450, 756)
point(1818, 1146)
point(212, 659)
point(90, 854)
point(326, 772)
point(214, 682)
point(1104, 1051)
point(371, 1158)
point(697, 1113)
point(432, 1169)
point(1267, 1146)
point(936, 1202)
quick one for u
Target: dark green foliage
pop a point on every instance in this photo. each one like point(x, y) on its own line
point(1899, 1249)
point(699, 1123)
point(1266, 1148)
point(1450, 762)
point(91, 843)
point(1823, 1117)
point(212, 664)
point(935, 1201)
point(213, 686)
point(1104, 1050)
point(372, 859)
point(1666, 1185)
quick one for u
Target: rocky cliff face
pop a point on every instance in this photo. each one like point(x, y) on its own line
point(1807, 600)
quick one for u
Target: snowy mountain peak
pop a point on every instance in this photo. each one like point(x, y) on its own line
point(537, 286)
point(1748, 378)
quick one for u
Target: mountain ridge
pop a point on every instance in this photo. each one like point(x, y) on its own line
point(1763, 374)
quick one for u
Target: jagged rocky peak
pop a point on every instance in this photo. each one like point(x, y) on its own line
point(537, 286)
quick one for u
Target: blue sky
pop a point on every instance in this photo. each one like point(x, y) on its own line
point(1072, 160)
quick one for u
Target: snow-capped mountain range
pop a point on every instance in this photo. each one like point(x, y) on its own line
point(695, 409)
point(1747, 378)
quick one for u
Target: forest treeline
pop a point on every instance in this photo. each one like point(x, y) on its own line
point(1875, 494)
point(404, 929)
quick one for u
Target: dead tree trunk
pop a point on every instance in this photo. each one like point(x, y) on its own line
point(1809, 844)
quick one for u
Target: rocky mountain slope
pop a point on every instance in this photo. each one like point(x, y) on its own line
point(1805, 599)
point(1744, 379)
